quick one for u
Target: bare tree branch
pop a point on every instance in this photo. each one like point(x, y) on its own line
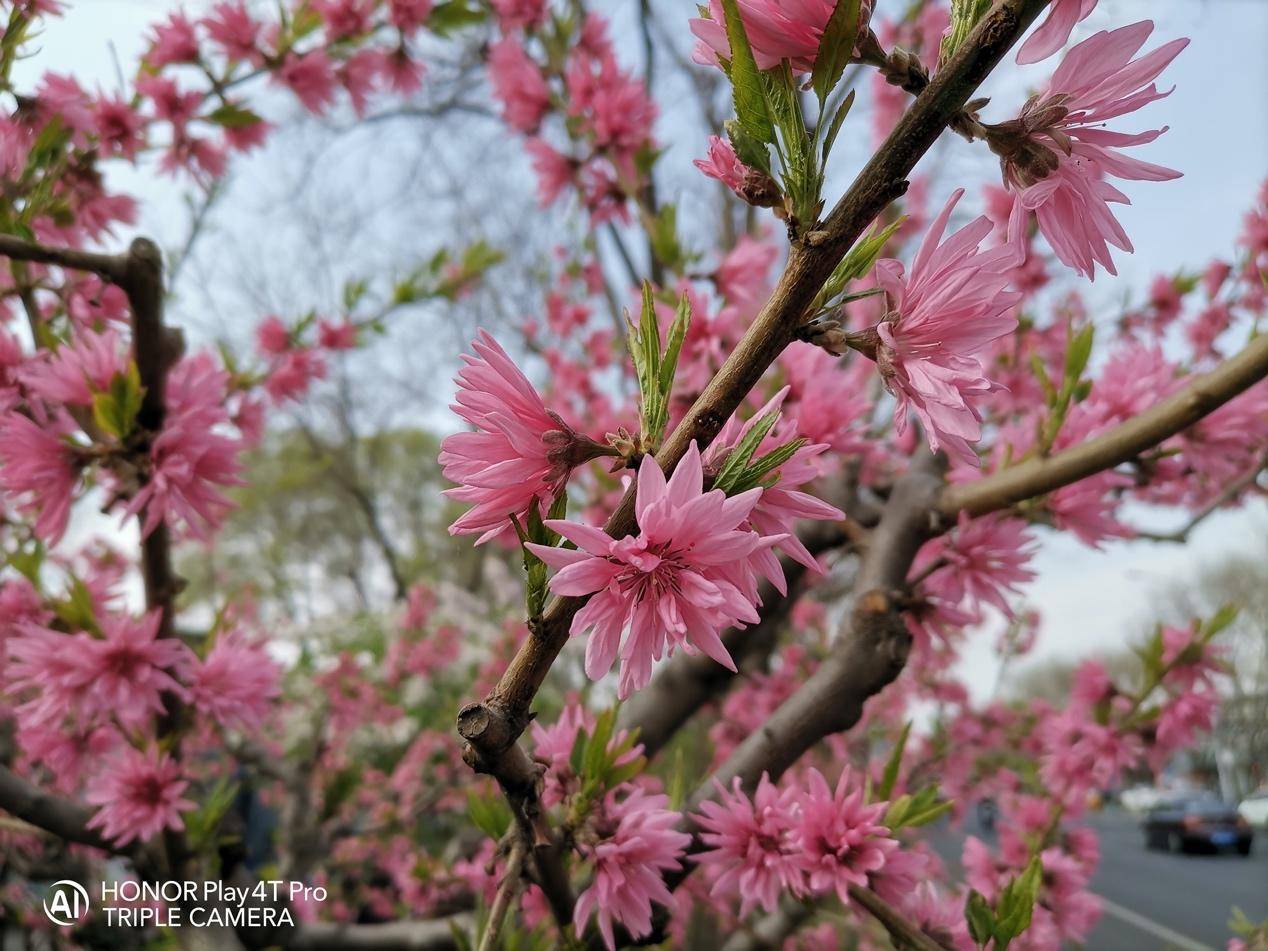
point(1203, 395)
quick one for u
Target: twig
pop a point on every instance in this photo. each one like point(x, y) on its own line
point(904, 933)
point(1229, 494)
point(1203, 395)
point(508, 891)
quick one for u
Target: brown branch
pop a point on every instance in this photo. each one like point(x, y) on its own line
point(904, 933)
point(64, 818)
point(112, 267)
point(1229, 494)
point(508, 890)
point(1203, 395)
point(810, 263)
point(867, 656)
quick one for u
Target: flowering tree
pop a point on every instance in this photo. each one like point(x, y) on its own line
point(776, 508)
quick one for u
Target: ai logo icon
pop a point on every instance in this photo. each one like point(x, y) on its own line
point(67, 903)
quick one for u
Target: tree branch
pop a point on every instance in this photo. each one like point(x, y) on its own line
point(64, 818)
point(1203, 395)
point(111, 267)
point(1229, 494)
point(508, 891)
point(504, 714)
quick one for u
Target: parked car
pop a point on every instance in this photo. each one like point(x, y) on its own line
point(1197, 822)
point(1254, 809)
point(1140, 799)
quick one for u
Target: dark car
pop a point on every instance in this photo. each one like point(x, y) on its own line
point(1197, 822)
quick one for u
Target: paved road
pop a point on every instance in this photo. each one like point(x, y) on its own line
point(1157, 901)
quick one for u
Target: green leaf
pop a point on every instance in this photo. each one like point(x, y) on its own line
point(749, 150)
point(231, 115)
point(202, 824)
point(1078, 354)
point(890, 776)
point(834, 126)
point(1017, 904)
point(738, 459)
point(836, 46)
point(453, 15)
point(980, 918)
point(759, 468)
point(77, 611)
point(489, 814)
point(855, 264)
point(746, 79)
point(115, 410)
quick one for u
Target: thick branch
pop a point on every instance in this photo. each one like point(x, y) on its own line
point(1203, 395)
point(63, 818)
point(867, 656)
point(810, 263)
point(109, 266)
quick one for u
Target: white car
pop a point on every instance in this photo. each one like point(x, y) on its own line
point(1140, 799)
point(1254, 809)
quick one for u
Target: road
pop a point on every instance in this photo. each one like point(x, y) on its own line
point(1156, 901)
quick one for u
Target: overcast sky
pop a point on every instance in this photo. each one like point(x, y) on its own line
point(1219, 138)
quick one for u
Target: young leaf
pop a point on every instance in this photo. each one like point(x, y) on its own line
point(739, 457)
point(890, 776)
point(836, 46)
point(980, 918)
point(746, 79)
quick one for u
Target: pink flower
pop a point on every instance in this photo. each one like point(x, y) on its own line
point(743, 276)
point(782, 504)
point(235, 683)
point(723, 164)
point(191, 460)
point(408, 15)
point(517, 458)
point(120, 130)
point(840, 839)
point(777, 30)
point(1097, 81)
point(684, 578)
point(272, 336)
point(232, 28)
point(519, 14)
point(311, 77)
point(174, 42)
point(124, 673)
point(336, 336)
point(752, 849)
point(39, 467)
point(291, 377)
point(518, 85)
point(1055, 30)
point(555, 171)
point(140, 795)
point(951, 306)
point(986, 561)
point(77, 370)
point(628, 865)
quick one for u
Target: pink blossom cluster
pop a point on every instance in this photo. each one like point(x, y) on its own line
point(802, 840)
